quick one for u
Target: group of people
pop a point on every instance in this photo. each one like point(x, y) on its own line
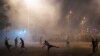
point(8, 45)
point(95, 43)
point(46, 44)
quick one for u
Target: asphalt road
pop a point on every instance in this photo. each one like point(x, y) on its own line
point(80, 49)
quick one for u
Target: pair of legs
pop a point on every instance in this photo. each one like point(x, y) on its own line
point(8, 47)
point(49, 47)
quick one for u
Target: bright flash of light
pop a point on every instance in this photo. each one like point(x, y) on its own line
point(29, 2)
point(32, 3)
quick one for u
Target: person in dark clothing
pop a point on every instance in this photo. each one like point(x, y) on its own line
point(8, 46)
point(97, 42)
point(67, 42)
point(16, 41)
point(49, 46)
point(22, 43)
point(94, 45)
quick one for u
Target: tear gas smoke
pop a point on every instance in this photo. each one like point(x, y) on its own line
point(47, 18)
point(39, 17)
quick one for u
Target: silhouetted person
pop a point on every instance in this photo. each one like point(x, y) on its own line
point(8, 46)
point(48, 45)
point(22, 43)
point(94, 45)
point(67, 43)
point(97, 42)
point(16, 41)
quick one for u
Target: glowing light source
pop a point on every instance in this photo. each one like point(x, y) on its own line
point(28, 2)
point(32, 3)
point(22, 32)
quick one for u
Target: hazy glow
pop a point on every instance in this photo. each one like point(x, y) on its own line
point(32, 3)
point(70, 12)
point(22, 32)
point(36, 16)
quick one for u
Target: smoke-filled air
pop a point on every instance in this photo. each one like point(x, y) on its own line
point(33, 18)
point(49, 27)
point(53, 20)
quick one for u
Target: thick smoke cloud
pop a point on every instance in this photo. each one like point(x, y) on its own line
point(40, 19)
point(81, 8)
point(48, 18)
